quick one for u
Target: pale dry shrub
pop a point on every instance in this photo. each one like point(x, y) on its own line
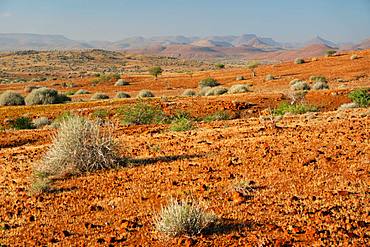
point(183, 218)
point(79, 146)
point(40, 122)
point(300, 85)
point(99, 96)
point(121, 82)
point(216, 91)
point(189, 92)
point(122, 95)
point(319, 85)
point(43, 96)
point(238, 88)
point(145, 94)
point(9, 98)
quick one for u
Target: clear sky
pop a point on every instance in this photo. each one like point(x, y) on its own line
point(283, 20)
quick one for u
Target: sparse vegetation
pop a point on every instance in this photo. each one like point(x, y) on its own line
point(354, 57)
point(29, 89)
point(183, 218)
point(181, 124)
point(220, 65)
point(269, 77)
point(238, 88)
point(319, 85)
point(208, 82)
point(155, 71)
point(145, 94)
point(300, 85)
point(11, 98)
point(240, 78)
point(101, 78)
point(43, 96)
point(141, 113)
point(330, 53)
point(360, 96)
point(61, 118)
point(217, 116)
point(320, 78)
point(99, 96)
point(122, 95)
point(79, 146)
point(100, 113)
point(82, 91)
point(298, 61)
point(300, 108)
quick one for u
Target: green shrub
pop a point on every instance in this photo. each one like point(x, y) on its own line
point(298, 61)
point(300, 85)
point(100, 113)
point(62, 118)
point(216, 91)
point(183, 218)
point(285, 107)
point(155, 71)
point(106, 78)
point(145, 94)
point(122, 95)
point(217, 116)
point(79, 146)
point(9, 98)
point(318, 85)
point(220, 65)
point(360, 96)
point(70, 93)
point(141, 113)
point(181, 124)
point(99, 96)
point(189, 92)
point(238, 88)
point(121, 82)
point(315, 78)
point(43, 96)
point(82, 91)
point(21, 123)
point(330, 53)
point(269, 77)
point(40, 122)
point(208, 82)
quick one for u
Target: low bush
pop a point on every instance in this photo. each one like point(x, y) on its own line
point(100, 113)
point(300, 85)
point(354, 57)
point(360, 97)
point(240, 78)
point(183, 218)
point(220, 65)
point(216, 91)
point(298, 61)
point(29, 89)
point(40, 122)
point(70, 93)
point(122, 95)
point(238, 88)
point(208, 82)
point(294, 81)
point(189, 92)
point(106, 78)
point(269, 77)
point(21, 123)
point(145, 94)
point(181, 124)
point(204, 90)
point(301, 108)
point(79, 146)
point(141, 113)
point(82, 91)
point(99, 96)
point(319, 85)
point(315, 78)
point(9, 98)
point(121, 82)
point(330, 53)
point(348, 106)
point(43, 96)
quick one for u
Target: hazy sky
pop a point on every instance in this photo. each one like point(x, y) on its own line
point(283, 20)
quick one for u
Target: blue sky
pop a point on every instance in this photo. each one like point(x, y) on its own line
point(283, 20)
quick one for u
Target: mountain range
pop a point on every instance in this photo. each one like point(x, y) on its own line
point(247, 46)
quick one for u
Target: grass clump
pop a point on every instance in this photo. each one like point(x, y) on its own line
point(106, 78)
point(183, 218)
point(99, 96)
point(269, 77)
point(9, 98)
point(354, 57)
point(182, 123)
point(300, 108)
point(141, 113)
point(122, 95)
point(21, 123)
point(40, 122)
point(208, 82)
point(121, 82)
point(40, 183)
point(61, 118)
point(360, 96)
point(43, 96)
point(320, 78)
point(100, 113)
point(238, 88)
point(216, 91)
point(299, 61)
point(145, 94)
point(217, 116)
point(79, 146)
point(330, 53)
point(319, 85)
point(189, 92)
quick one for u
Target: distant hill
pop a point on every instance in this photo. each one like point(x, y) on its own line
point(15, 41)
point(246, 46)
